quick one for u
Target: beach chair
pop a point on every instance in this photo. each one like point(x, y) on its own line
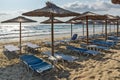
point(41, 67)
point(73, 38)
point(67, 58)
point(36, 64)
point(10, 49)
point(114, 38)
point(54, 58)
point(30, 47)
point(83, 51)
point(30, 59)
point(103, 43)
point(95, 47)
point(56, 43)
point(75, 49)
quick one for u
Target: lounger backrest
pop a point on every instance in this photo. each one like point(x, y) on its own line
point(74, 37)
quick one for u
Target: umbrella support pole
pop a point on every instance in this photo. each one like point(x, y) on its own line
point(83, 29)
point(20, 39)
point(52, 34)
point(117, 28)
point(102, 29)
point(93, 28)
point(71, 30)
point(87, 29)
point(106, 29)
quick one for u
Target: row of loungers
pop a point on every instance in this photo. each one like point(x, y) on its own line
point(14, 49)
point(38, 65)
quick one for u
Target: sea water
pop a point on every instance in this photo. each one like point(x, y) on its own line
point(11, 32)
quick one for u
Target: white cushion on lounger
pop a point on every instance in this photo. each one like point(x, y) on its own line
point(11, 48)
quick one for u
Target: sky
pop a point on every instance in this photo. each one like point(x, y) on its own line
point(13, 8)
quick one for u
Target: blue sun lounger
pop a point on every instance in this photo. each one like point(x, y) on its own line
point(83, 51)
point(96, 47)
point(104, 43)
point(35, 63)
point(41, 67)
point(79, 50)
point(67, 58)
point(73, 38)
point(30, 59)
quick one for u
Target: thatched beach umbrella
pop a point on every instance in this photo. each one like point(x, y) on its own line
point(19, 19)
point(51, 10)
point(111, 18)
point(71, 22)
point(77, 22)
point(116, 1)
point(89, 16)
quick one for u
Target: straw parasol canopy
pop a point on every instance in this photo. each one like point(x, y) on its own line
point(54, 20)
point(71, 22)
point(19, 19)
point(89, 16)
point(51, 10)
point(116, 1)
point(111, 18)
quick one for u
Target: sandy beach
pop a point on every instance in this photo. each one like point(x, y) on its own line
point(82, 35)
point(105, 66)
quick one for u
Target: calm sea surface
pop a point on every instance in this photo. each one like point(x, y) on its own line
point(11, 32)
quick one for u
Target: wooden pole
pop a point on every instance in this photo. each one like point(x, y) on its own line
point(52, 34)
point(93, 28)
point(114, 27)
point(83, 29)
point(106, 29)
point(117, 27)
point(20, 39)
point(102, 28)
point(110, 27)
point(71, 29)
point(87, 29)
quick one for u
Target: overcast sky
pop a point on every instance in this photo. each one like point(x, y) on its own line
point(13, 8)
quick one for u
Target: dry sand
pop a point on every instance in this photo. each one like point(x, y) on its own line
point(102, 67)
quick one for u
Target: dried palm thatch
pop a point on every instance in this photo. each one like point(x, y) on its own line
point(116, 1)
point(51, 9)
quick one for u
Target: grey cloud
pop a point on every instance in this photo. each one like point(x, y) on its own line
point(96, 6)
point(3, 14)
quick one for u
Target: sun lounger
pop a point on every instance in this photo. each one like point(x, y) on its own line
point(79, 50)
point(30, 59)
point(10, 48)
point(31, 47)
point(73, 38)
point(35, 63)
point(48, 53)
point(83, 51)
point(56, 43)
point(41, 67)
point(95, 47)
point(103, 43)
point(67, 58)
